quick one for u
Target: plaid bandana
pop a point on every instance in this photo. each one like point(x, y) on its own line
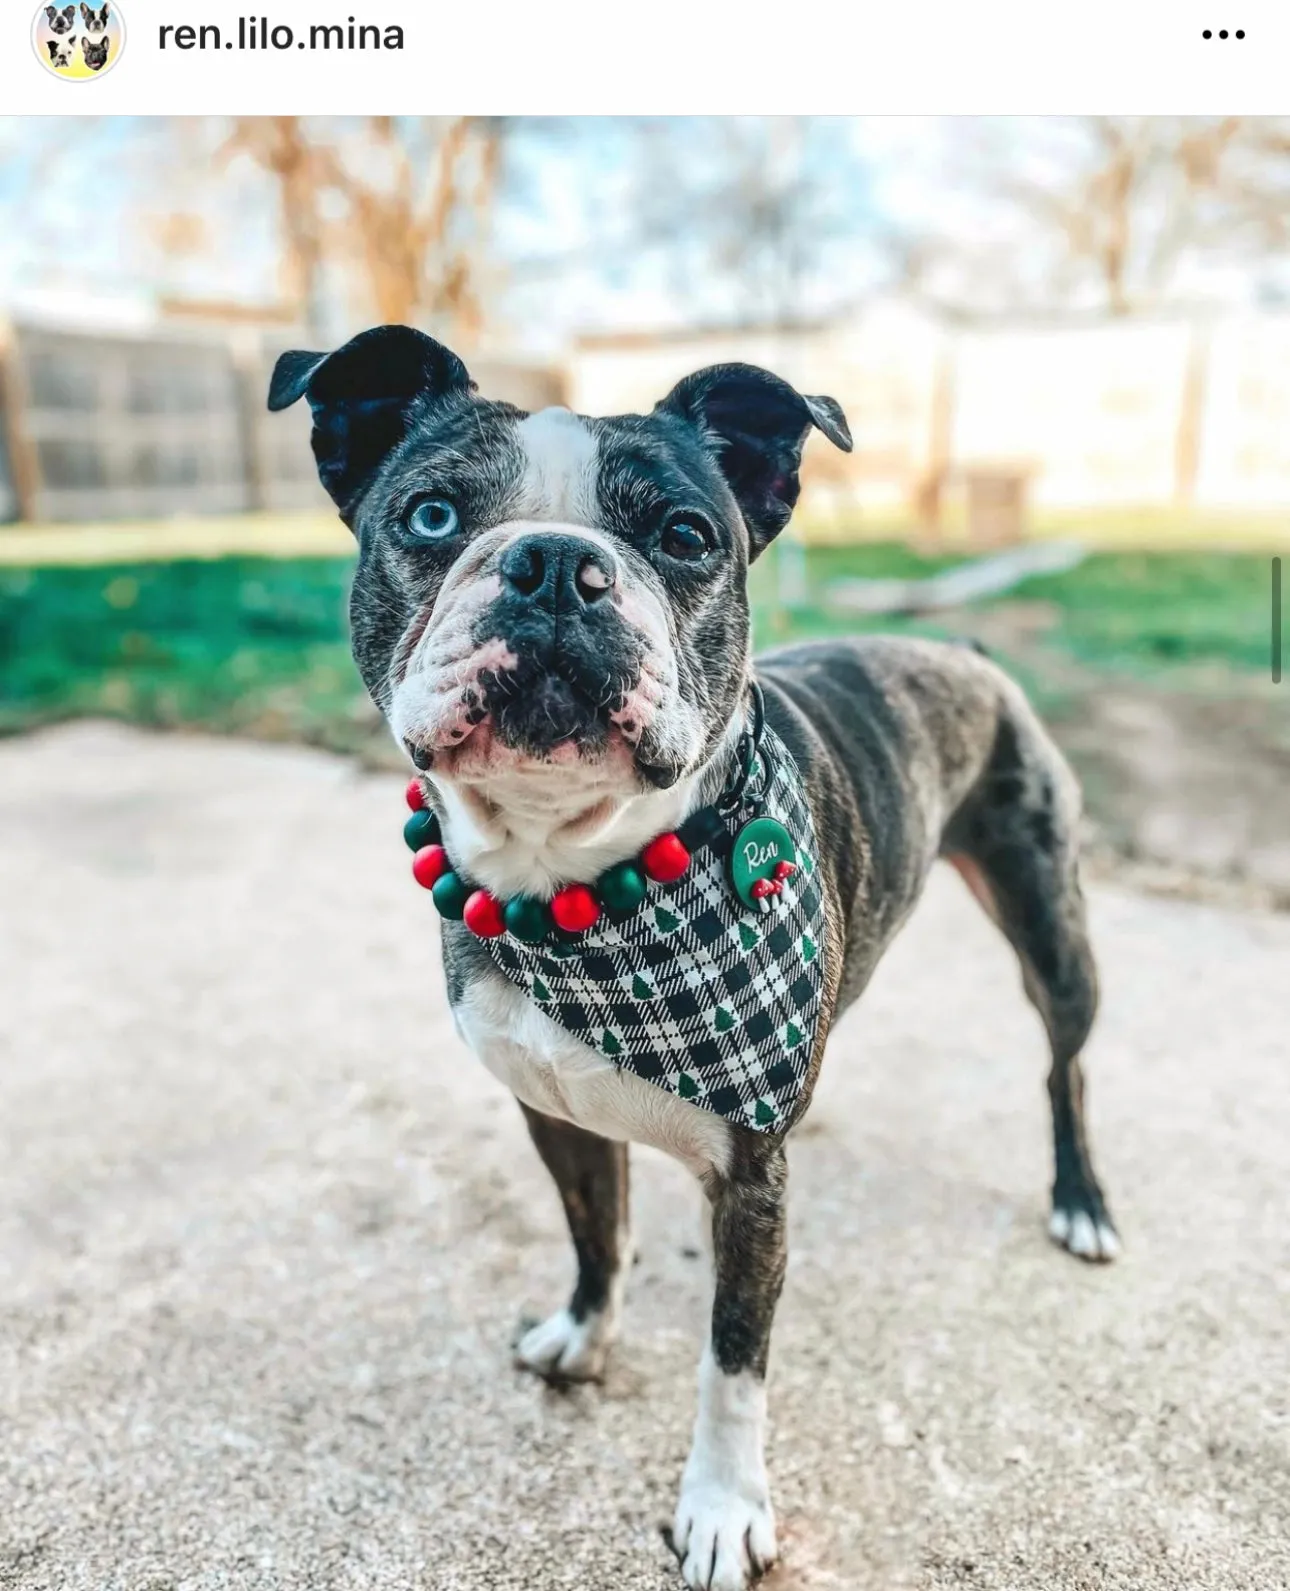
point(694, 991)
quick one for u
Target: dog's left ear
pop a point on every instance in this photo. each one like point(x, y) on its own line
point(361, 397)
point(757, 426)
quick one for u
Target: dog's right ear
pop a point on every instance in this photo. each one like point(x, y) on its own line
point(51, 12)
point(362, 396)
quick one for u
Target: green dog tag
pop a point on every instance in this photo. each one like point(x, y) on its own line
point(759, 848)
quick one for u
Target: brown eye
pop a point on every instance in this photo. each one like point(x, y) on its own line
point(686, 538)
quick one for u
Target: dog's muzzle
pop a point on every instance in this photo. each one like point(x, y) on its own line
point(576, 658)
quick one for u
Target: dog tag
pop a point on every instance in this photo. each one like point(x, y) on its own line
point(762, 856)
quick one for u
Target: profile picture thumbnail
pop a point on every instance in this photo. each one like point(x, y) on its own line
point(79, 42)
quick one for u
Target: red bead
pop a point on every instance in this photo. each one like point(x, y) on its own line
point(483, 915)
point(665, 859)
point(575, 909)
point(429, 865)
point(785, 869)
point(414, 795)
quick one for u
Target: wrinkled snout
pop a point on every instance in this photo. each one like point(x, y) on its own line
point(542, 646)
point(576, 657)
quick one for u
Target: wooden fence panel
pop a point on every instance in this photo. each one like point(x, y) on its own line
point(162, 426)
point(124, 428)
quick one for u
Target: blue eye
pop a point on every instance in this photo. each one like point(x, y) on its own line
point(433, 519)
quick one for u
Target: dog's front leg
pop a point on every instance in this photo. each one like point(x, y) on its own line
point(591, 1174)
point(724, 1532)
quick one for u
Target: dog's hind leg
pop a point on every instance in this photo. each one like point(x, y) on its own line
point(591, 1174)
point(1015, 841)
point(724, 1530)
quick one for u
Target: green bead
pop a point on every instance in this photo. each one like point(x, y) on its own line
point(622, 888)
point(450, 896)
point(422, 828)
point(527, 919)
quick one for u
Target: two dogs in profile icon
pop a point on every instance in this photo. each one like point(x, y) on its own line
point(65, 20)
point(94, 42)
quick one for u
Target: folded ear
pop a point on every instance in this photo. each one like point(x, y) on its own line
point(756, 425)
point(362, 396)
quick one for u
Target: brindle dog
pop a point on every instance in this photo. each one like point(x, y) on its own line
point(552, 613)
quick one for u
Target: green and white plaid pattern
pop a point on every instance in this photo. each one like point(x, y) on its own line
point(695, 992)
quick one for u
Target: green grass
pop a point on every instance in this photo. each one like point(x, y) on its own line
point(1143, 612)
point(243, 644)
point(258, 645)
point(1138, 614)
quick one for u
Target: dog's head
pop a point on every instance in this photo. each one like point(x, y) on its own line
point(548, 591)
point(95, 54)
point(60, 21)
point(60, 51)
point(95, 21)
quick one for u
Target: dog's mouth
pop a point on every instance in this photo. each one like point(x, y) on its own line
point(528, 716)
point(535, 710)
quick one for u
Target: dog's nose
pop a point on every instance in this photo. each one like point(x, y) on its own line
point(559, 570)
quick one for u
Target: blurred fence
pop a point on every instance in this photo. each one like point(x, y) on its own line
point(1181, 416)
point(165, 425)
point(1185, 415)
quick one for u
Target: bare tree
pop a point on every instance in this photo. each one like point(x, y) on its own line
point(1116, 214)
point(281, 148)
point(744, 213)
point(401, 207)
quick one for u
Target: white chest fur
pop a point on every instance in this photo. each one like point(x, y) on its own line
point(553, 1072)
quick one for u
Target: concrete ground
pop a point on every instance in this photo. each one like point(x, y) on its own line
point(266, 1231)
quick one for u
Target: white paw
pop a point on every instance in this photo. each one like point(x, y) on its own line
point(565, 1349)
point(1083, 1235)
point(724, 1539)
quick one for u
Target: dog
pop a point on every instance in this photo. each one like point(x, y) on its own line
point(61, 21)
point(95, 21)
point(551, 612)
point(61, 52)
point(95, 53)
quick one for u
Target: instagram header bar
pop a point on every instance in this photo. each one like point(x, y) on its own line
point(667, 57)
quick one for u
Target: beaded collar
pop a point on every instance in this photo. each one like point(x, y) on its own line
point(759, 858)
